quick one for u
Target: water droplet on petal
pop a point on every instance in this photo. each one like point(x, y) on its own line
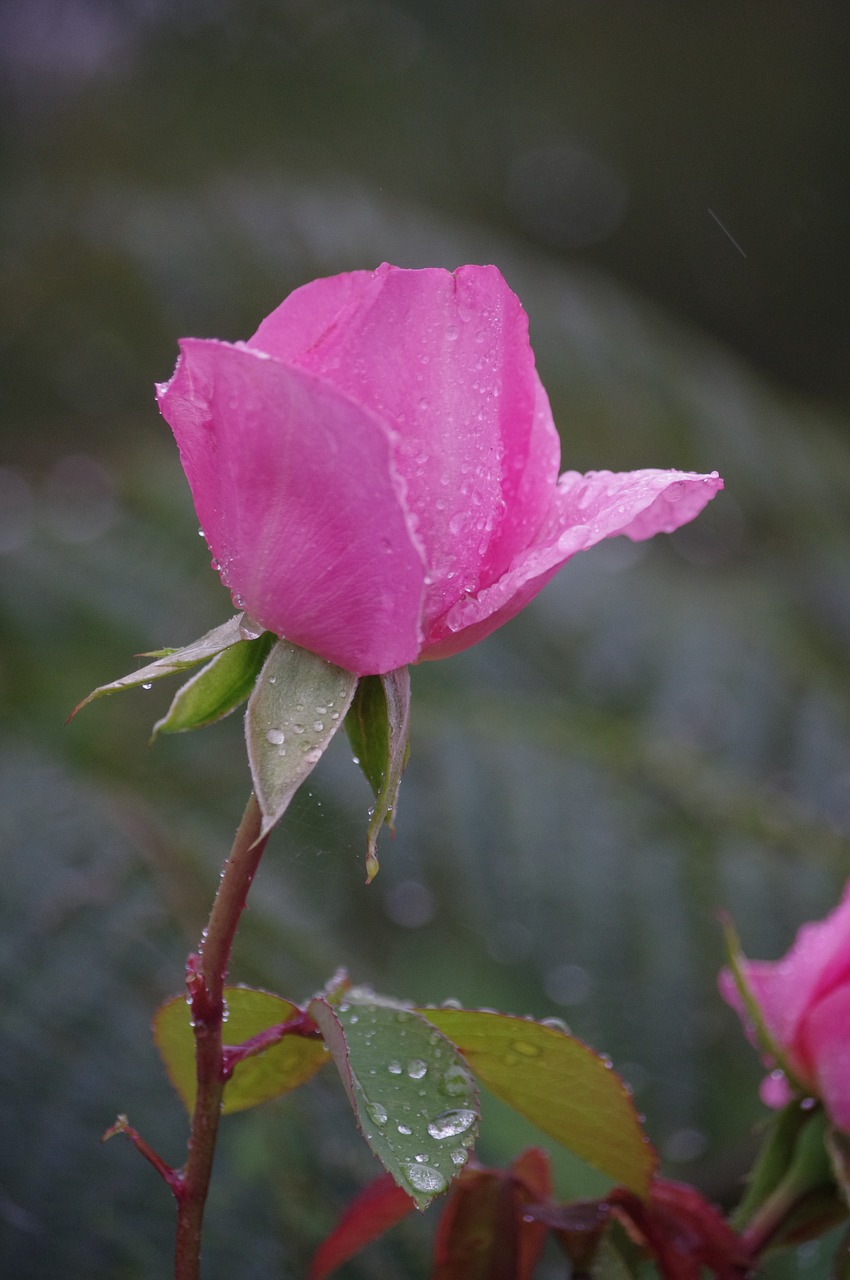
point(404, 1129)
point(148, 685)
point(416, 1069)
point(394, 1068)
point(527, 1050)
point(460, 1155)
point(276, 737)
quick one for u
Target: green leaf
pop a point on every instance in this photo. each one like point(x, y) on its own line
point(414, 1098)
point(218, 688)
point(173, 660)
point(277, 1070)
point(299, 702)
point(557, 1083)
point(377, 727)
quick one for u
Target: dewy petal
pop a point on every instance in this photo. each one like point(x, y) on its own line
point(295, 490)
point(585, 510)
point(444, 359)
point(825, 1041)
point(308, 313)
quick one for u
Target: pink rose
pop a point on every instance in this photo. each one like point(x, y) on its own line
point(804, 1000)
point(376, 470)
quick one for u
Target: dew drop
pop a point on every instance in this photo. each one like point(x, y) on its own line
point(394, 1068)
point(318, 726)
point(147, 686)
point(450, 1123)
point(422, 1177)
point(416, 1068)
point(556, 1024)
point(460, 1155)
point(455, 1081)
point(276, 737)
point(404, 1129)
point(376, 1113)
point(527, 1050)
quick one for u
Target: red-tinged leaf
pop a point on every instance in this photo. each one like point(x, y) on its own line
point(532, 1168)
point(485, 1231)
point(682, 1232)
point(557, 1083)
point(377, 1208)
point(275, 1071)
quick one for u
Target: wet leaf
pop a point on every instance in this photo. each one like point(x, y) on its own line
point(275, 1071)
point(299, 702)
point(171, 661)
point(557, 1083)
point(219, 688)
point(377, 1208)
point(414, 1098)
point(377, 727)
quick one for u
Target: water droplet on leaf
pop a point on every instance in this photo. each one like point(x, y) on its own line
point(450, 1123)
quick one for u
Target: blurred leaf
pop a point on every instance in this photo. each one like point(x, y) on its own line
point(174, 660)
point(218, 689)
point(557, 1083)
point(485, 1231)
point(415, 1101)
point(298, 703)
point(377, 1208)
point(275, 1071)
point(378, 724)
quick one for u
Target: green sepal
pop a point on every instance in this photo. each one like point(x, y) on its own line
point(277, 1070)
point(171, 661)
point(559, 1084)
point(219, 688)
point(793, 1182)
point(297, 704)
point(378, 726)
point(413, 1095)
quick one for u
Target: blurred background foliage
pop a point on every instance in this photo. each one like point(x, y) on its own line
point(664, 733)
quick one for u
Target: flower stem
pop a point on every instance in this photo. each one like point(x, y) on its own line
point(206, 972)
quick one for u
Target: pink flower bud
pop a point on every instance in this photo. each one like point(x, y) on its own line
point(376, 470)
point(804, 1002)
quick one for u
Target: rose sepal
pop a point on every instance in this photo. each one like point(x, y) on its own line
point(169, 662)
point(378, 725)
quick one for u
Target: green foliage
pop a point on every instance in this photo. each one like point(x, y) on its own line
point(378, 725)
point(415, 1101)
point(298, 703)
point(219, 688)
point(560, 1085)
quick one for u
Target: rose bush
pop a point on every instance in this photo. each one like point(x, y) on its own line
point(804, 1003)
point(376, 469)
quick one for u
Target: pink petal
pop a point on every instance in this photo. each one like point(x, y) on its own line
point(585, 510)
point(296, 492)
point(786, 988)
point(444, 359)
point(825, 1042)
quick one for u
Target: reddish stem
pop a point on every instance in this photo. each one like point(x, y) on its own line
point(300, 1024)
point(205, 977)
point(173, 1178)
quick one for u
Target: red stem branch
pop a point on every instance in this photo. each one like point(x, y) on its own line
point(206, 972)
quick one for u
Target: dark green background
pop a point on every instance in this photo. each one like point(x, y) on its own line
point(665, 732)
